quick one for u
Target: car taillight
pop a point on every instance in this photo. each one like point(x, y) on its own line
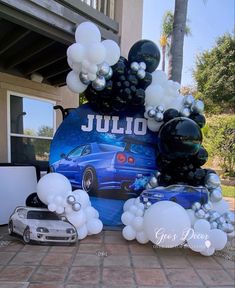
point(121, 157)
point(131, 160)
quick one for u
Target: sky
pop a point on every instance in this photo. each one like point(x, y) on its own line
point(208, 19)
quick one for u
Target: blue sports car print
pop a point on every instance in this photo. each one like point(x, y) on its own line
point(182, 194)
point(97, 166)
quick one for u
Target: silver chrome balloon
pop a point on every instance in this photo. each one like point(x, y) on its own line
point(226, 227)
point(109, 75)
point(142, 65)
point(141, 73)
point(229, 217)
point(103, 69)
point(159, 117)
point(214, 225)
point(212, 181)
point(221, 220)
point(70, 199)
point(135, 66)
point(207, 206)
point(99, 83)
point(145, 199)
point(84, 78)
point(188, 100)
point(151, 113)
point(196, 206)
point(207, 215)
point(76, 206)
point(153, 182)
point(214, 215)
point(200, 214)
point(160, 108)
point(197, 106)
point(216, 195)
point(148, 204)
point(185, 112)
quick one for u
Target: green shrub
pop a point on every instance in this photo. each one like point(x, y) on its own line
point(219, 140)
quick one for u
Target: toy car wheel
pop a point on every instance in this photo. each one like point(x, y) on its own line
point(26, 235)
point(10, 228)
point(89, 180)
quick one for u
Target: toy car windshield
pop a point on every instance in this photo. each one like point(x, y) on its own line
point(42, 215)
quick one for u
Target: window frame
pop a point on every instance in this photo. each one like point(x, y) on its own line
point(10, 134)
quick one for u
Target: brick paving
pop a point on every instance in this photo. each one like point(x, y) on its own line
point(108, 261)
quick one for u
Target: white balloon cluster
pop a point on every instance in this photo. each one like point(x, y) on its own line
point(90, 59)
point(55, 191)
point(205, 240)
point(134, 221)
point(161, 95)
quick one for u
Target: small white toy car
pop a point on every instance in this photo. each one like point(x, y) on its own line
point(41, 225)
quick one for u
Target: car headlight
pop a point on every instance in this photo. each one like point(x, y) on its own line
point(70, 231)
point(42, 230)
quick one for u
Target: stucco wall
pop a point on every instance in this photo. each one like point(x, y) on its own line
point(62, 96)
point(129, 14)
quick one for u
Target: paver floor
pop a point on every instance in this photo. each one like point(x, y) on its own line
point(109, 261)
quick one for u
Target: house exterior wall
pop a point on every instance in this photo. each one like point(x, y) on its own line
point(62, 96)
point(129, 15)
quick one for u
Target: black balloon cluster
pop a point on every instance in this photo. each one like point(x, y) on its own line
point(181, 154)
point(126, 88)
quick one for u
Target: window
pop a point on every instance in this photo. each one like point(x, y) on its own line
point(76, 152)
point(31, 129)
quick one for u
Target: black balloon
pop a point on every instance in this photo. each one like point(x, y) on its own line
point(200, 158)
point(199, 119)
point(170, 114)
point(33, 201)
point(145, 51)
point(179, 137)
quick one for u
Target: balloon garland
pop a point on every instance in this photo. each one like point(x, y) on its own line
point(113, 84)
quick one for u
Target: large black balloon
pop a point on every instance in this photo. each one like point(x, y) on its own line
point(180, 137)
point(145, 51)
point(199, 119)
point(200, 158)
point(33, 201)
point(170, 114)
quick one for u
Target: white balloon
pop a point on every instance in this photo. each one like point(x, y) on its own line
point(76, 218)
point(59, 210)
point(128, 233)
point(76, 52)
point(139, 212)
point(196, 243)
point(208, 251)
point(96, 53)
point(92, 69)
point(153, 125)
point(82, 232)
point(68, 209)
point(140, 206)
point(218, 239)
point(137, 201)
point(87, 33)
point(94, 226)
point(128, 204)
point(82, 197)
point(202, 226)
point(74, 83)
point(52, 184)
point(133, 209)
point(141, 237)
point(138, 224)
point(58, 200)
point(192, 217)
point(112, 52)
point(77, 67)
point(154, 95)
point(221, 206)
point(165, 223)
point(52, 207)
point(127, 218)
point(92, 76)
point(91, 213)
point(159, 77)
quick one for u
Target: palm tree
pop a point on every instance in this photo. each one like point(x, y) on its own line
point(167, 30)
point(177, 41)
